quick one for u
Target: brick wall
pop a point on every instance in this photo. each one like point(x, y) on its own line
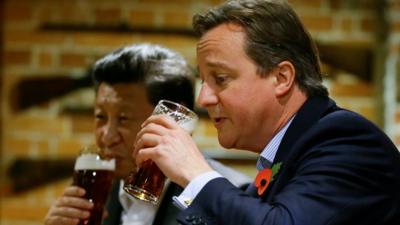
point(393, 72)
point(44, 131)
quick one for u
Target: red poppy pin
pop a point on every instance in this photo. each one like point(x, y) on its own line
point(264, 177)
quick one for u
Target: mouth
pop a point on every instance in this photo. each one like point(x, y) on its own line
point(112, 155)
point(218, 121)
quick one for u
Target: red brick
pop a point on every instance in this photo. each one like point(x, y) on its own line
point(17, 11)
point(397, 116)
point(17, 146)
point(27, 37)
point(74, 13)
point(395, 26)
point(335, 4)
point(359, 89)
point(369, 24)
point(105, 40)
point(171, 41)
point(17, 57)
point(46, 13)
point(177, 19)
point(395, 5)
point(23, 211)
point(109, 15)
point(369, 112)
point(169, 2)
point(42, 146)
point(397, 140)
point(317, 22)
point(43, 125)
point(346, 24)
point(69, 148)
point(216, 2)
point(368, 4)
point(306, 3)
point(73, 60)
point(45, 59)
point(142, 17)
point(82, 124)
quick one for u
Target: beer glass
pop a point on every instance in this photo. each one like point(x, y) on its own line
point(148, 183)
point(94, 173)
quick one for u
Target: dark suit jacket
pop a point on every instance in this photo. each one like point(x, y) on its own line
point(166, 215)
point(337, 168)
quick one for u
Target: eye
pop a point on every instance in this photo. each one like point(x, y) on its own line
point(99, 116)
point(123, 119)
point(220, 79)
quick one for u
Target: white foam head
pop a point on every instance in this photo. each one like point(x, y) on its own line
point(93, 162)
point(189, 125)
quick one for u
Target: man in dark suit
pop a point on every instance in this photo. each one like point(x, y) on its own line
point(262, 87)
point(128, 83)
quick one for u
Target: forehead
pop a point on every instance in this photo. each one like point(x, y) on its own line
point(222, 48)
point(226, 34)
point(123, 93)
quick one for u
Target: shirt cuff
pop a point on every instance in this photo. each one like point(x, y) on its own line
point(193, 188)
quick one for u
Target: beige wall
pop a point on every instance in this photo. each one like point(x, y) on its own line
point(44, 131)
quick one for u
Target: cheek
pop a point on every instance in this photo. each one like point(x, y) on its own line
point(237, 104)
point(129, 136)
point(98, 134)
point(243, 109)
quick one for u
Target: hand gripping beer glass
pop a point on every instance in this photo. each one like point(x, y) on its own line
point(94, 173)
point(148, 183)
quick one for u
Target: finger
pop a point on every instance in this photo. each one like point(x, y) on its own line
point(74, 191)
point(144, 154)
point(105, 213)
point(72, 213)
point(75, 202)
point(163, 120)
point(147, 140)
point(57, 220)
point(152, 128)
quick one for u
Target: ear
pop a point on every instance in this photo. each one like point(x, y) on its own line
point(284, 78)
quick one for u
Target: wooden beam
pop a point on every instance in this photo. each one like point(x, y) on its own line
point(117, 28)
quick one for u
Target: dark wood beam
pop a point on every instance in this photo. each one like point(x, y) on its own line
point(27, 173)
point(37, 90)
point(351, 57)
point(117, 28)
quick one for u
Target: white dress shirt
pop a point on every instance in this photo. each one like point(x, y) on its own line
point(194, 187)
point(134, 211)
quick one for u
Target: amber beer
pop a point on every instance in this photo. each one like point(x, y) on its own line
point(148, 183)
point(95, 175)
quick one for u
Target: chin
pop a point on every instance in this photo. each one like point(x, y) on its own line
point(226, 143)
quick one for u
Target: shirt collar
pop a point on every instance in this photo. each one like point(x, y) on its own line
point(269, 152)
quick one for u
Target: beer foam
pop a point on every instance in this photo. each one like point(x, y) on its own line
point(188, 125)
point(186, 122)
point(93, 162)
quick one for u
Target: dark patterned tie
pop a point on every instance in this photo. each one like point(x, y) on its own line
point(263, 163)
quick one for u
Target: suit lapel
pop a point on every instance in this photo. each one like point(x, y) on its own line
point(113, 206)
point(167, 212)
point(311, 111)
point(307, 116)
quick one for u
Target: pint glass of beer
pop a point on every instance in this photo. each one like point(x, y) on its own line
point(94, 173)
point(148, 183)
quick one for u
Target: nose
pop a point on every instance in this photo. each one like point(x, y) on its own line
point(110, 134)
point(207, 96)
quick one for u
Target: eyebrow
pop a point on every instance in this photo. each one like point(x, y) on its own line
point(219, 65)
